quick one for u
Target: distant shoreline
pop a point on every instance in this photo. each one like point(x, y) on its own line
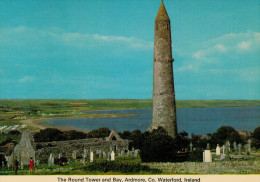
point(38, 122)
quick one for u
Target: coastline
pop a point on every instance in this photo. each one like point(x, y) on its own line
point(38, 122)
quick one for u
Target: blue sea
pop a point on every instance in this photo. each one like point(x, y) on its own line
point(191, 120)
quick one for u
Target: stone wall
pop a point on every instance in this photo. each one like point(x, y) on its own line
point(66, 148)
point(223, 167)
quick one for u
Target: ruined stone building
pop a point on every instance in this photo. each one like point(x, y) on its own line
point(41, 151)
point(164, 107)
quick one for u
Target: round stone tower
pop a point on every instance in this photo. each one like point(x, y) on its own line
point(164, 107)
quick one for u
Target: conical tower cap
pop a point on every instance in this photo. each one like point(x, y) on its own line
point(162, 13)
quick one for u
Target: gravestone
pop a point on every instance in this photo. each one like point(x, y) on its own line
point(104, 155)
point(208, 147)
point(128, 152)
point(136, 153)
point(239, 149)
point(207, 156)
point(249, 145)
point(218, 150)
point(246, 150)
point(59, 156)
point(108, 156)
point(37, 162)
point(223, 149)
point(190, 147)
point(74, 155)
point(228, 145)
point(235, 145)
point(122, 153)
point(91, 156)
point(112, 156)
point(50, 160)
point(227, 150)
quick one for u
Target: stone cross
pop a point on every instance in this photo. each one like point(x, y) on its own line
point(249, 145)
point(218, 150)
point(190, 147)
point(235, 145)
point(208, 147)
point(91, 156)
point(112, 156)
point(239, 148)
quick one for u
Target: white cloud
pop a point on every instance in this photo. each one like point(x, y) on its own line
point(245, 45)
point(26, 79)
point(35, 37)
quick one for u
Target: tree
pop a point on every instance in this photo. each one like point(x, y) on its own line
point(73, 135)
point(137, 139)
point(225, 133)
point(48, 135)
point(99, 133)
point(256, 137)
point(158, 146)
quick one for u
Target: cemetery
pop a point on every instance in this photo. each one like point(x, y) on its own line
point(116, 155)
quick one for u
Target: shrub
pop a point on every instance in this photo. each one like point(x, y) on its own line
point(195, 156)
point(99, 133)
point(256, 137)
point(48, 135)
point(158, 146)
point(73, 135)
point(119, 167)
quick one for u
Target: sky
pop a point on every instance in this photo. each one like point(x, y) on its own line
point(100, 49)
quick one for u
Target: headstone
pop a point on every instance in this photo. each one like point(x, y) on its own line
point(227, 150)
point(235, 145)
point(91, 156)
point(218, 150)
point(112, 156)
point(108, 156)
point(74, 155)
point(228, 145)
point(128, 152)
point(136, 153)
point(50, 160)
point(207, 156)
point(239, 149)
point(122, 153)
point(249, 145)
point(246, 150)
point(59, 156)
point(190, 147)
point(223, 149)
point(208, 147)
point(104, 155)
